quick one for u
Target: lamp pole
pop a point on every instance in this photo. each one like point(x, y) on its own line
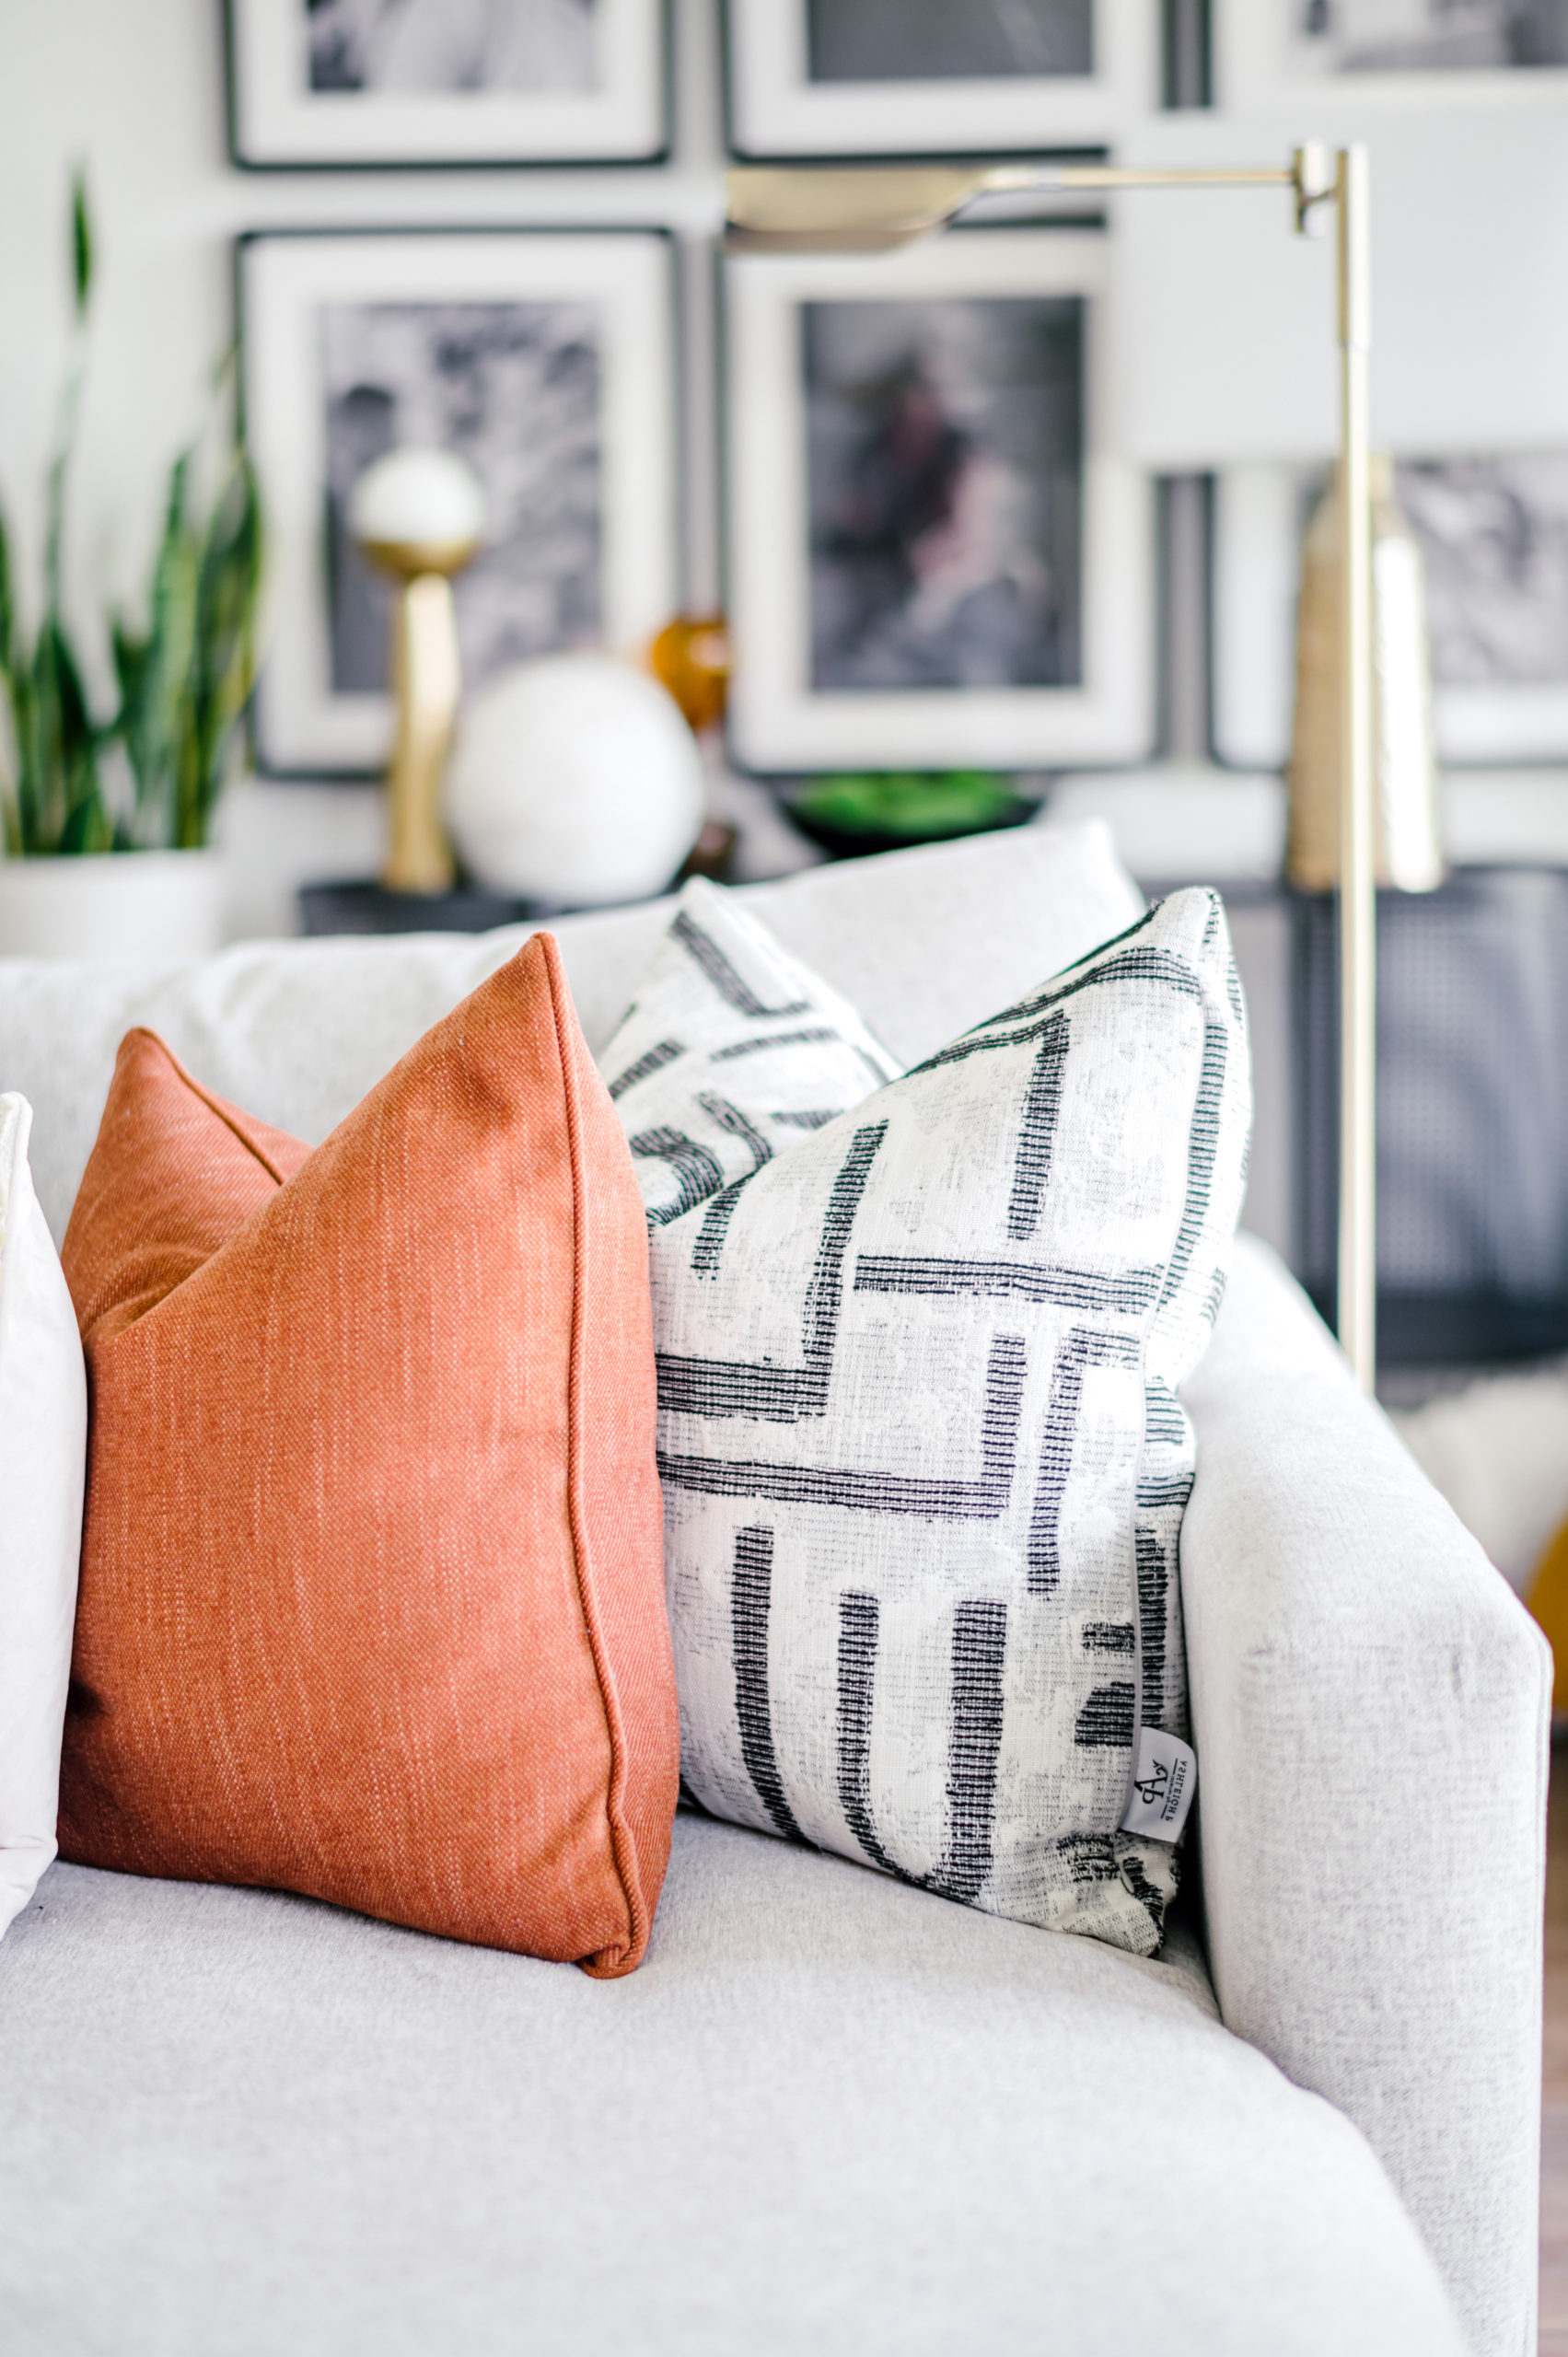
point(1358, 895)
point(872, 208)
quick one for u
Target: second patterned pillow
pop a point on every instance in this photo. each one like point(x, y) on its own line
point(733, 1052)
point(924, 1460)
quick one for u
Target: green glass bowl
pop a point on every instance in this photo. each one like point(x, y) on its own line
point(856, 812)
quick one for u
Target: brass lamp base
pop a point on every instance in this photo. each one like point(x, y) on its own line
point(426, 681)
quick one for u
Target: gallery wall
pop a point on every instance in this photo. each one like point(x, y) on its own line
point(1216, 355)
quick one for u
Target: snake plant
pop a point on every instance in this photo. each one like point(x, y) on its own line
point(183, 679)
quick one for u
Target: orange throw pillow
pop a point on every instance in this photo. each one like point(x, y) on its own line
point(372, 1595)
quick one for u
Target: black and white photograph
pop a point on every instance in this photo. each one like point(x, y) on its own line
point(946, 484)
point(544, 361)
point(1431, 36)
point(924, 40)
point(459, 377)
point(1378, 47)
point(845, 77)
point(437, 46)
point(932, 556)
point(1493, 536)
point(369, 82)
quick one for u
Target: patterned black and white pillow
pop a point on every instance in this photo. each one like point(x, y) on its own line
point(924, 1459)
point(734, 1052)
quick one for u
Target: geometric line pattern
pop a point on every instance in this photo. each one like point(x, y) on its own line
point(1204, 1141)
point(750, 1610)
point(1129, 1293)
point(1106, 1720)
point(1037, 1132)
point(709, 1245)
point(812, 1036)
point(1154, 1588)
point(974, 1740)
point(729, 985)
point(1083, 1347)
point(980, 1499)
point(665, 1052)
point(696, 1171)
point(1131, 966)
point(704, 1387)
point(1147, 1087)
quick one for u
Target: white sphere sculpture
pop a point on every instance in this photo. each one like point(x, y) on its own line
point(417, 498)
point(576, 781)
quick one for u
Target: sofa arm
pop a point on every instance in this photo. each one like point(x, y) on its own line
point(1371, 1708)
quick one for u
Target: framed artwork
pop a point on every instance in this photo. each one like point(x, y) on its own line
point(864, 78)
point(934, 559)
point(1494, 535)
point(387, 82)
point(546, 359)
point(1391, 52)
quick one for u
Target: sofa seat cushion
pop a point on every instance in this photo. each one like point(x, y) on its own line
point(830, 2115)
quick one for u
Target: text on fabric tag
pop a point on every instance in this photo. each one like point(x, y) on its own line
point(1163, 1787)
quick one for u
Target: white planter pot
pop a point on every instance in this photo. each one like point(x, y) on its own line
point(113, 904)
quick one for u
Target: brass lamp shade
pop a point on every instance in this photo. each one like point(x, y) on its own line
point(1409, 833)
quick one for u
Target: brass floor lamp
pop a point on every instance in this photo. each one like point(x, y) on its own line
point(871, 208)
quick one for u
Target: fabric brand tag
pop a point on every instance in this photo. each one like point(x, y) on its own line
point(1163, 1787)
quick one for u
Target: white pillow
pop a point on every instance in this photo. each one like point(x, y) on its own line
point(733, 1052)
point(43, 1447)
point(923, 1461)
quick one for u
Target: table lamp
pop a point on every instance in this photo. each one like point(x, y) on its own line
point(872, 208)
point(418, 514)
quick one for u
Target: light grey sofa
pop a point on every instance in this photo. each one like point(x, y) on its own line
point(832, 2114)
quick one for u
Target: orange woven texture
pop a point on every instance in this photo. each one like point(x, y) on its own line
point(372, 1597)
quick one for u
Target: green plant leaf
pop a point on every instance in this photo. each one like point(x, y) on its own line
point(230, 579)
point(70, 810)
point(7, 608)
point(81, 242)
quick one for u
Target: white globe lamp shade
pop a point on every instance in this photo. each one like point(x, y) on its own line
point(575, 781)
point(417, 498)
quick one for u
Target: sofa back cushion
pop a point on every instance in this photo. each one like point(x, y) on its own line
point(921, 942)
point(371, 1604)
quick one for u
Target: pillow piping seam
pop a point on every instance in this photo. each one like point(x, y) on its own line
point(213, 1105)
point(622, 1841)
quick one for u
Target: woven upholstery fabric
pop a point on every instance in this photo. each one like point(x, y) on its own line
point(829, 2117)
point(371, 1597)
point(733, 1052)
point(924, 1465)
point(43, 1438)
point(1372, 1707)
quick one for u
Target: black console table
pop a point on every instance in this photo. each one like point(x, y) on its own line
point(1472, 1114)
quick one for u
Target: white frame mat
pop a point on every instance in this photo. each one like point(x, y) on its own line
point(778, 721)
point(277, 119)
point(774, 108)
point(303, 727)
